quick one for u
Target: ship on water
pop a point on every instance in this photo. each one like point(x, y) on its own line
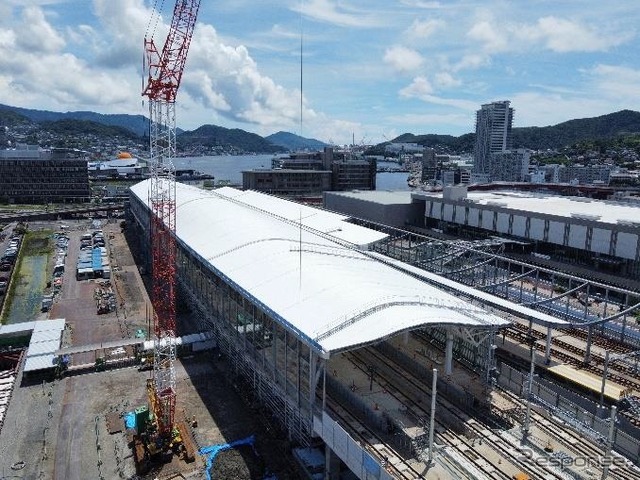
point(127, 167)
point(124, 165)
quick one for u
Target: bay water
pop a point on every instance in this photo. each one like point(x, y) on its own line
point(230, 167)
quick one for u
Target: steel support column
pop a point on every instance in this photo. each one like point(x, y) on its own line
point(448, 353)
point(547, 351)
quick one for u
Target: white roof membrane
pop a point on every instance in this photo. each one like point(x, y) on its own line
point(311, 276)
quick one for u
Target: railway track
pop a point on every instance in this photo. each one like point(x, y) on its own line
point(568, 353)
point(602, 342)
point(564, 438)
point(597, 370)
point(505, 459)
point(370, 440)
point(570, 440)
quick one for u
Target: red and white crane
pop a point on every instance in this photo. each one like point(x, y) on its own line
point(164, 74)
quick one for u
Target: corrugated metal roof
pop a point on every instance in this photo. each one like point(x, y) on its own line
point(45, 341)
point(15, 329)
point(308, 276)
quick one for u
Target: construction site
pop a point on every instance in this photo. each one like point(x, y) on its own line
point(233, 334)
point(320, 341)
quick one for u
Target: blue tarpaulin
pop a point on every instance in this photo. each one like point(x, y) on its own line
point(214, 450)
point(130, 420)
point(96, 259)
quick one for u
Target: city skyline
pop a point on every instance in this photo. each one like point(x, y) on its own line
point(371, 70)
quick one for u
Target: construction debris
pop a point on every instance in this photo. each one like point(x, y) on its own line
point(105, 297)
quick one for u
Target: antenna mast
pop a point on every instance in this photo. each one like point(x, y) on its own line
point(301, 51)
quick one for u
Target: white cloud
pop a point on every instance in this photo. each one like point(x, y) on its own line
point(422, 29)
point(36, 34)
point(39, 74)
point(446, 80)
point(562, 36)
point(403, 59)
point(330, 11)
point(542, 109)
point(422, 4)
point(556, 34)
point(418, 88)
point(421, 89)
point(604, 89)
point(126, 23)
point(83, 35)
point(619, 84)
point(220, 77)
point(282, 32)
point(228, 80)
point(490, 36)
point(472, 61)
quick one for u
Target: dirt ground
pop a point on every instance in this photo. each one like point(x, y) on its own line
point(59, 429)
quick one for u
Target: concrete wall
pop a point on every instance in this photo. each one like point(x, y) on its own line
point(395, 215)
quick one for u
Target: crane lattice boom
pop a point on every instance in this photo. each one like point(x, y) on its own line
point(165, 70)
point(164, 75)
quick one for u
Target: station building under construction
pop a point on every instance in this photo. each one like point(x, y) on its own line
point(288, 290)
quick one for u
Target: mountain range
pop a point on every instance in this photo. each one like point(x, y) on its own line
point(138, 124)
point(605, 127)
point(294, 142)
point(565, 134)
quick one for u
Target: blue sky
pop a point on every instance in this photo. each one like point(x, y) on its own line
point(372, 69)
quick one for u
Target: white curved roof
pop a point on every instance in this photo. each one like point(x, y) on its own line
point(312, 277)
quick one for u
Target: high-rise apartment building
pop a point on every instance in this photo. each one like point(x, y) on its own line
point(493, 134)
point(429, 165)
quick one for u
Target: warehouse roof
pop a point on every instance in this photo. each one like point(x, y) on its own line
point(45, 341)
point(310, 270)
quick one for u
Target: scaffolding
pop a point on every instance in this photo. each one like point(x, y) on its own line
point(586, 304)
point(276, 365)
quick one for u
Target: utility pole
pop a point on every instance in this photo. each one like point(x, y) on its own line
point(607, 452)
point(434, 385)
point(527, 419)
point(604, 378)
point(610, 358)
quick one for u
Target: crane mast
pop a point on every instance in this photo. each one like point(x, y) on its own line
point(164, 74)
